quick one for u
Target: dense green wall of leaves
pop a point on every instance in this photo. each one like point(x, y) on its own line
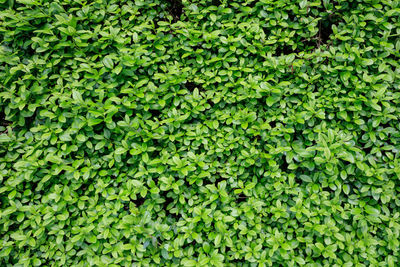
point(199, 133)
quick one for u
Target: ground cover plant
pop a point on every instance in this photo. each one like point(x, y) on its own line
point(199, 133)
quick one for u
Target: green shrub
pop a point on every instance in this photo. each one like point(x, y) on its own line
point(199, 133)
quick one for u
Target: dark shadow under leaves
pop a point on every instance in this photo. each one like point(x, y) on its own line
point(175, 9)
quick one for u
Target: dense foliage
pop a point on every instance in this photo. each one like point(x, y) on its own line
point(199, 133)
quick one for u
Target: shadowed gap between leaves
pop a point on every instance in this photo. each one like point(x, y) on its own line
point(323, 36)
point(175, 9)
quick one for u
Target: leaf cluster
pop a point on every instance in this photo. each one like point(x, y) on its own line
point(199, 133)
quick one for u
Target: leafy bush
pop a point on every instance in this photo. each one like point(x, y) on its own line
point(199, 133)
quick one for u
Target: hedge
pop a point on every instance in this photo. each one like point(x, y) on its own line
point(199, 133)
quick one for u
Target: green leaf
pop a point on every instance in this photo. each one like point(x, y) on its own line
point(272, 100)
point(217, 240)
point(76, 238)
point(215, 124)
point(17, 236)
point(81, 138)
point(100, 145)
point(303, 4)
point(346, 189)
point(92, 122)
point(120, 150)
point(108, 62)
point(340, 237)
point(213, 17)
point(371, 210)
point(188, 262)
point(4, 138)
